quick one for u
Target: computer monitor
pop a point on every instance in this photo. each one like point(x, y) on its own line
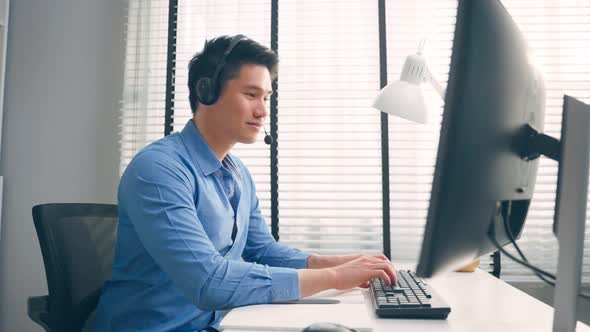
point(493, 92)
point(491, 136)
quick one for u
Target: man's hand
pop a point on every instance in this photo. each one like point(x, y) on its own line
point(321, 261)
point(354, 273)
point(361, 270)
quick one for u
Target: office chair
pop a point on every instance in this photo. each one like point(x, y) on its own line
point(77, 243)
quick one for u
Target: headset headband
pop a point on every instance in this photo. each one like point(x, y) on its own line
point(234, 41)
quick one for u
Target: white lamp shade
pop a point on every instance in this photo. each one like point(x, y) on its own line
point(403, 99)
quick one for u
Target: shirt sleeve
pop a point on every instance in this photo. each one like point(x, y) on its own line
point(261, 247)
point(157, 193)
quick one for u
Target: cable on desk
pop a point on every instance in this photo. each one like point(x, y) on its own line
point(517, 247)
point(524, 262)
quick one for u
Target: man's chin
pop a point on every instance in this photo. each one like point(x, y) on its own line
point(248, 140)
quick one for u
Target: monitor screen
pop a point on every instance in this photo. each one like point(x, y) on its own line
point(480, 177)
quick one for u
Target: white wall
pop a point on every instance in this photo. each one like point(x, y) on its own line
point(59, 137)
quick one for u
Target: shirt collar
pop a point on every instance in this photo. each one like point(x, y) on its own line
point(198, 149)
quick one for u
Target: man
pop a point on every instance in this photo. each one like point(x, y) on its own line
point(191, 238)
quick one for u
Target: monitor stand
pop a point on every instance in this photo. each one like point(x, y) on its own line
point(570, 210)
point(573, 154)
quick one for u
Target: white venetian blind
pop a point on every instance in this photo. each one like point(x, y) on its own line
point(329, 137)
point(143, 105)
point(559, 33)
point(202, 20)
point(412, 147)
point(144, 90)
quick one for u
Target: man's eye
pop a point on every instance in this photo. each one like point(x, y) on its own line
point(251, 95)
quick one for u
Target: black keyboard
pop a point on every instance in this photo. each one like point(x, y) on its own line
point(410, 298)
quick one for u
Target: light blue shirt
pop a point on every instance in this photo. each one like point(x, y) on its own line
point(176, 266)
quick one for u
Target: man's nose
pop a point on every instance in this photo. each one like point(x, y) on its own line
point(261, 110)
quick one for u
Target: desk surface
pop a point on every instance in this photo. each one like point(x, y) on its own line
point(479, 302)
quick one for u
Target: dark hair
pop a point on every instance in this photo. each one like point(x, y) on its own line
point(245, 52)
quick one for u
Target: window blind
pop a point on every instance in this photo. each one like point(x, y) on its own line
point(202, 20)
point(143, 104)
point(328, 135)
point(559, 33)
point(144, 89)
point(413, 146)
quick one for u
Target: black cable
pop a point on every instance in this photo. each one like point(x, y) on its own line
point(542, 277)
point(513, 241)
point(534, 268)
point(539, 272)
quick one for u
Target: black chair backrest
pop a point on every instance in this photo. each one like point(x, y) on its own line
point(78, 243)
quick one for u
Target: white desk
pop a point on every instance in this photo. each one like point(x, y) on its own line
point(479, 302)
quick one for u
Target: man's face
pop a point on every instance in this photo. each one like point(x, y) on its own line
point(241, 108)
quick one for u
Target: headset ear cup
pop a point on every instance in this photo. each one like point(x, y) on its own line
point(204, 91)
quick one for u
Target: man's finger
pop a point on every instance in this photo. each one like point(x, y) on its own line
point(364, 284)
point(381, 274)
point(387, 268)
point(394, 274)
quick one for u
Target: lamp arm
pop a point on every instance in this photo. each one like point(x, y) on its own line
point(428, 76)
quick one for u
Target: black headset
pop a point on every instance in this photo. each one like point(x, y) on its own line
point(208, 89)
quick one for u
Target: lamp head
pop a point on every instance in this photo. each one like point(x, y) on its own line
point(404, 98)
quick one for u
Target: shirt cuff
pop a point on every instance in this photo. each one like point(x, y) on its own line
point(299, 260)
point(285, 284)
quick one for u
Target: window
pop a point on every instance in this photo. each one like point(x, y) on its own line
point(329, 137)
point(329, 148)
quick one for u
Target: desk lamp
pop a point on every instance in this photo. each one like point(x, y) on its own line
point(404, 98)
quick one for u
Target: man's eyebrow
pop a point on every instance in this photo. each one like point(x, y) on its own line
point(255, 87)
